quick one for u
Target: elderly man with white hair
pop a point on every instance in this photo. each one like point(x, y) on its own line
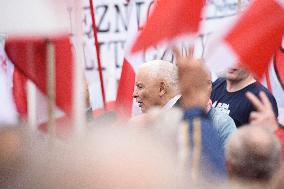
point(157, 85)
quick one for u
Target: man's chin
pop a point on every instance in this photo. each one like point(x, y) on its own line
point(143, 109)
point(230, 77)
point(233, 79)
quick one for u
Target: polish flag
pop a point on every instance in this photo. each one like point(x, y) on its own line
point(29, 26)
point(170, 19)
point(29, 55)
point(252, 41)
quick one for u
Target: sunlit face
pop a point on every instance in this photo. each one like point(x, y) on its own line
point(146, 90)
point(236, 74)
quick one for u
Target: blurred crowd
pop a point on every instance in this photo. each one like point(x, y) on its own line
point(192, 132)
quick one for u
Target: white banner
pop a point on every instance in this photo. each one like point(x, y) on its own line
point(112, 19)
point(112, 22)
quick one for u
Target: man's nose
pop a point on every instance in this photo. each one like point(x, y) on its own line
point(135, 94)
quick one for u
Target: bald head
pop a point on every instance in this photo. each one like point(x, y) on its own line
point(253, 154)
point(156, 83)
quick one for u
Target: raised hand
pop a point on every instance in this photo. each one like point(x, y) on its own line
point(194, 80)
point(264, 113)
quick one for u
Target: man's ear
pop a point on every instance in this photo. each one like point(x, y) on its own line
point(163, 88)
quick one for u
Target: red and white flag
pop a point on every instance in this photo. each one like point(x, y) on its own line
point(29, 55)
point(252, 41)
point(169, 20)
point(29, 26)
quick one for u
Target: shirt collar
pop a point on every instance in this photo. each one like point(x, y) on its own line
point(171, 103)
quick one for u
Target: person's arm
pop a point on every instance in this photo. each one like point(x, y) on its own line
point(228, 128)
point(195, 88)
point(223, 123)
point(194, 81)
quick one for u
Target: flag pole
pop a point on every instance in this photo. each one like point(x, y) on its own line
point(95, 33)
point(51, 88)
point(239, 6)
point(79, 97)
point(31, 96)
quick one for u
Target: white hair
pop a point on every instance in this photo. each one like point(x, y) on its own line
point(161, 69)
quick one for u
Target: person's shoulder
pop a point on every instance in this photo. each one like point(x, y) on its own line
point(220, 82)
point(258, 87)
point(220, 117)
point(218, 86)
point(264, 89)
point(214, 112)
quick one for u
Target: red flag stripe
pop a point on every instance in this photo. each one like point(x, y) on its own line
point(124, 98)
point(170, 19)
point(281, 3)
point(19, 93)
point(29, 56)
point(257, 35)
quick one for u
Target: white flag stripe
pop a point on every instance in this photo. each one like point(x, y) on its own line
point(28, 17)
point(8, 113)
point(222, 53)
point(42, 108)
point(281, 2)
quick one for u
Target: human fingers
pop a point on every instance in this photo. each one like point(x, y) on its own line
point(190, 52)
point(255, 101)
point(265, 100)
point(253, 116)
point(177, 54)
